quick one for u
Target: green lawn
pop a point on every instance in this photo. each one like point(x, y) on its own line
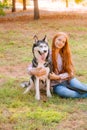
point(23, 112)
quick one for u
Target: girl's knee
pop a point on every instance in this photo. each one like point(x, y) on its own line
point(65, 92)
point(59, 90)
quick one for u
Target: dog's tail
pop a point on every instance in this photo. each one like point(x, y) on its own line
point(24, 84)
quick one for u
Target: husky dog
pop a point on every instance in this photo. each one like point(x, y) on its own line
point(41, 58)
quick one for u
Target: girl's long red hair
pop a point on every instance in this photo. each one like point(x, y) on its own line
point(65, 53)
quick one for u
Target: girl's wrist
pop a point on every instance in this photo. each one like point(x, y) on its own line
point(57, 77)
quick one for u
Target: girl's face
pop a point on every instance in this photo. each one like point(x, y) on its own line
point(60, 41)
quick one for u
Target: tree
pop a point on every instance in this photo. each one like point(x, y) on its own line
point(66, 3)
point(36, 10)
point(13, 5)
point(24, 4)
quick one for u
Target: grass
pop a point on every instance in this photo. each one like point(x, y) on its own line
point(23, 112)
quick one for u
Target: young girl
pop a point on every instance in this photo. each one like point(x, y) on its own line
point(63, 81)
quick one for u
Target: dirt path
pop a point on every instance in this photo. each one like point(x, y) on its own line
point(17, 71)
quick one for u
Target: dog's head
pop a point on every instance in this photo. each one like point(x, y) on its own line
point(40, 48)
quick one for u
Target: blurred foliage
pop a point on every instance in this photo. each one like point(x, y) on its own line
point(65, 0)
point(84, 2)
point(2, 12)
point(4, 5)
point(78, 1)
point(1, 9)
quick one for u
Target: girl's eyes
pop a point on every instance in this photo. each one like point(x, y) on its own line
point(61, 40)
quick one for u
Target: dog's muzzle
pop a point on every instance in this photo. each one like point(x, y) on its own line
point(41, 53)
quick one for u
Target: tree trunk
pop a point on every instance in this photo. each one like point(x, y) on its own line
point(36, 10)
point(67, 3)
point(13, 5)
point(24, 4)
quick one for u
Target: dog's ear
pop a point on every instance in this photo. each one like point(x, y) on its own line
point(35, 38)
point(45, 38)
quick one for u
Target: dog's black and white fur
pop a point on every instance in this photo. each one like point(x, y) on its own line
point(41, 58)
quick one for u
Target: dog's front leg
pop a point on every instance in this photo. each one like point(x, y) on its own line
point(37, 96)
point(48, 88)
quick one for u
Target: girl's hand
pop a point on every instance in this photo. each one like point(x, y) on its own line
point(53, 76)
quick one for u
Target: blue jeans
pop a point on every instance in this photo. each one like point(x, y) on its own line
point(71, 89)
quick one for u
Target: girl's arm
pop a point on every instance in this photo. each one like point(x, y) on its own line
point(62, 76)
point(36, 71)
point(54, 76)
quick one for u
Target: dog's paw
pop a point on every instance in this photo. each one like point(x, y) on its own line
point(22, 85)
point(49, 95)
point(37, 97)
